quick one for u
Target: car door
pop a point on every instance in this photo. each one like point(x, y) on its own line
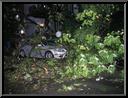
point(43, 50)
point(36, 52)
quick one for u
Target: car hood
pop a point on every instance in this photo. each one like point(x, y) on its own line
point(56, 48)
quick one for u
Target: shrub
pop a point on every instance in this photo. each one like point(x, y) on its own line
point(112, 42)
point(89, 61)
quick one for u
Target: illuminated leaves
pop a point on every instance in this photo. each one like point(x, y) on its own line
point(87, 17)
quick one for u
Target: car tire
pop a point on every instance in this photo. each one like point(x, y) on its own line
point(22, 53)
point(49, 54)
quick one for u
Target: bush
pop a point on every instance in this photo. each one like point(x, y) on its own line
point(112, 42)
point(92, 55)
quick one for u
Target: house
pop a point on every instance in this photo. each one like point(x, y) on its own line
point(32, 23)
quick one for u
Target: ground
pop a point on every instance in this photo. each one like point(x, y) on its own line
point(40, 80)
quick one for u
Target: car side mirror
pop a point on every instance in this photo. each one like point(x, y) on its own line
point(43, 45)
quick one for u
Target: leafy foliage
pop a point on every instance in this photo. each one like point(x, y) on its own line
point(91, 50)
point(87, 17)
point(112, 41)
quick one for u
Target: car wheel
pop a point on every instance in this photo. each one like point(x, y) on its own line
point(22, 53)
point(49, 55)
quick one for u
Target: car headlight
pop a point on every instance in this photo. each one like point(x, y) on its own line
point(64, 50)
point(57, 49)
point(60, 50)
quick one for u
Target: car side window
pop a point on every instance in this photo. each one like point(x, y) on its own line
point(44, 44)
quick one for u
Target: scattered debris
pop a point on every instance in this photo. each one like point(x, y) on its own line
point(99, 78)
point(28, 77)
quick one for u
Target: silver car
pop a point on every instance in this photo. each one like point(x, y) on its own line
point(47, 50)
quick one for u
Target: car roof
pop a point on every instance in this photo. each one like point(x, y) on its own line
point(49, 41)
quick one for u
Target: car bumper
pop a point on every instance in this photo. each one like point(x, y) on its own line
point(60, 55)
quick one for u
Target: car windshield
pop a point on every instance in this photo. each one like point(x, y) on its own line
point(51, 43)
